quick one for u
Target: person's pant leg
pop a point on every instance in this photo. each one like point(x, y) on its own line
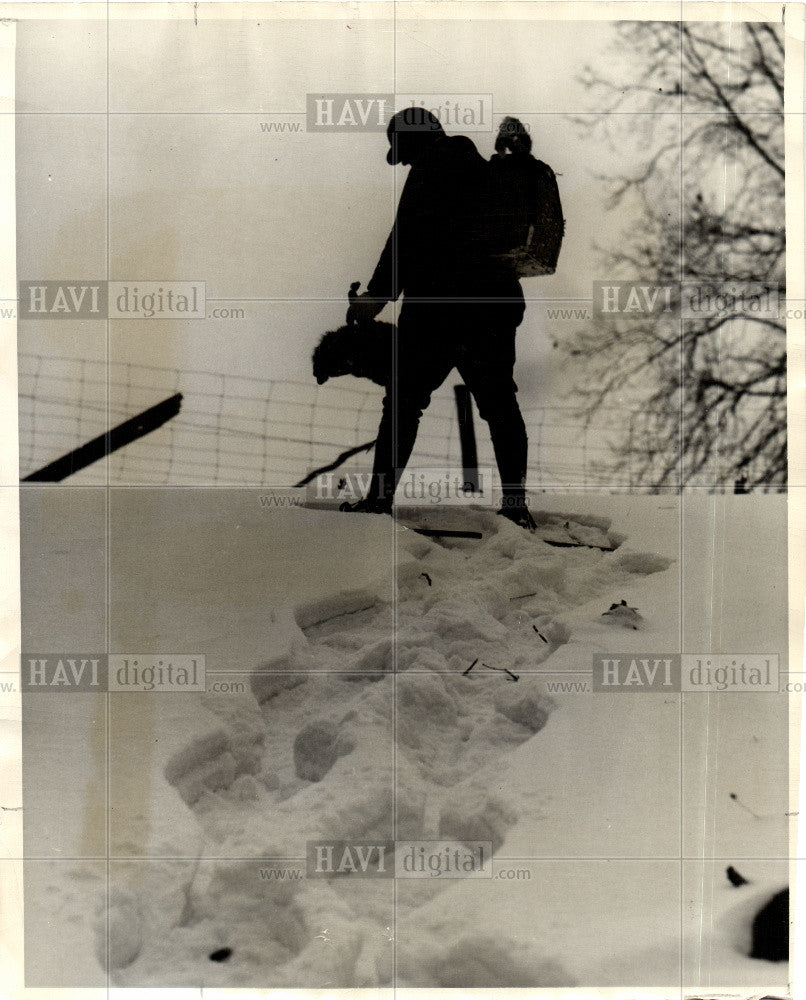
point(421, 363)
point(486, 364)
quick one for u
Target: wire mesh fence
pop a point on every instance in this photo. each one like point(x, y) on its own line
point(249, 431)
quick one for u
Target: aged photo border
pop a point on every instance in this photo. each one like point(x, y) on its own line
point(11, 902)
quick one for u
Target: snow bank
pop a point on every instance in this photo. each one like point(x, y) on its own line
point(419, 707)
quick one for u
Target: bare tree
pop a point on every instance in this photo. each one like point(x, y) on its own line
point(706, 208)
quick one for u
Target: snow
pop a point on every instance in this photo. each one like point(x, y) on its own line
point(381, 706)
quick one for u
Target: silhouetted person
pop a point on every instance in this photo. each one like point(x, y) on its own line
point(461, 307)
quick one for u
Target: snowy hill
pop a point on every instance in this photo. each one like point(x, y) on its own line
point(449, 701)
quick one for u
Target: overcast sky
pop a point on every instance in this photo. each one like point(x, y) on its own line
point(197, 191)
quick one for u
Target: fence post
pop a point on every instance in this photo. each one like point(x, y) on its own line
point(467, 439)
point(105, 444)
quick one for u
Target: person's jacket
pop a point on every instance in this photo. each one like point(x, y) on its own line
point(441, 242)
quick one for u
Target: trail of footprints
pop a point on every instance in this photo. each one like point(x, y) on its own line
point(403, 679)
point(377, 728)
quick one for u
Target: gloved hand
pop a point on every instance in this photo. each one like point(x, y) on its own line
point(364, 308)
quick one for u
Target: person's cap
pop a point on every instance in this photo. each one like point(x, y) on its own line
point(410, 124)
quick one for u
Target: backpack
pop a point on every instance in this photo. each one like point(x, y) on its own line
point(527, 224)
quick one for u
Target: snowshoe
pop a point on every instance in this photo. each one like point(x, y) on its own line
point(369, 505)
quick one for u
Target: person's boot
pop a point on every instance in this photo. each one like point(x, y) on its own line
point(513, 505)
point(514, 509)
